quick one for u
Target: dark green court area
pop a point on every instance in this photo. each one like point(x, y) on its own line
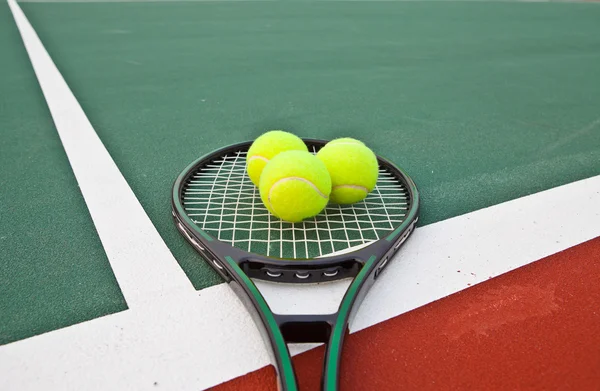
point(479, 102)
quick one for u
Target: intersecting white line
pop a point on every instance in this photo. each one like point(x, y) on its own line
point(294, 242)
point(280, 237)
point(193, 342)
point(236, 204)
point(252, 219)
point(227, 183)
point(209, 198)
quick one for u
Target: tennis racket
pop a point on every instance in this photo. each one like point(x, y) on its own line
point(219, 211)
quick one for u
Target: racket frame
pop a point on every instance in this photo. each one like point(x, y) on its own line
point(238, 267)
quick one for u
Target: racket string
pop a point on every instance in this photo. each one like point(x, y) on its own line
point(221, 200)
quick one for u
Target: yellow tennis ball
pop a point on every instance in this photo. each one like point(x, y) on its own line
point(353, 168)
point(266, 147)
point(295, 185)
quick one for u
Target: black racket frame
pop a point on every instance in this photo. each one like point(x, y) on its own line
point(231, 262)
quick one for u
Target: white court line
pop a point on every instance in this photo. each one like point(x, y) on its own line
point(141, 261)
point(193, 340)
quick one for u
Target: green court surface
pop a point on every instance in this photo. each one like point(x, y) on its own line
point(53, 270)
point(480, 102)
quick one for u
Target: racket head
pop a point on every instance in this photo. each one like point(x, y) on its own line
point(219, 211)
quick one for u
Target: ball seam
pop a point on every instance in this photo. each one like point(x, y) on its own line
point(258, 157)
point(293, 178)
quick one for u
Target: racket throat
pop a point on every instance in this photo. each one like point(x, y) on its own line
point(315, 329)
point(306, 328)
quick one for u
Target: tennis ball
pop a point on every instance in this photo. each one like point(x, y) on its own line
point(266, 147)
point(295, 185)
point(353, 168)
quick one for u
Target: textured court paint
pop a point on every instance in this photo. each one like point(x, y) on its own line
point(479, 102)
point(537, 327)
point(53, 270)
point(142, 263)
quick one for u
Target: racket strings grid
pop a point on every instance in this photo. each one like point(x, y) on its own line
point(222, 201)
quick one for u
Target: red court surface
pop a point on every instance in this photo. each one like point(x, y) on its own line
point(535, 328)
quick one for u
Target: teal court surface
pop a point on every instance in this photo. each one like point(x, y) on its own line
point(492, 107)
